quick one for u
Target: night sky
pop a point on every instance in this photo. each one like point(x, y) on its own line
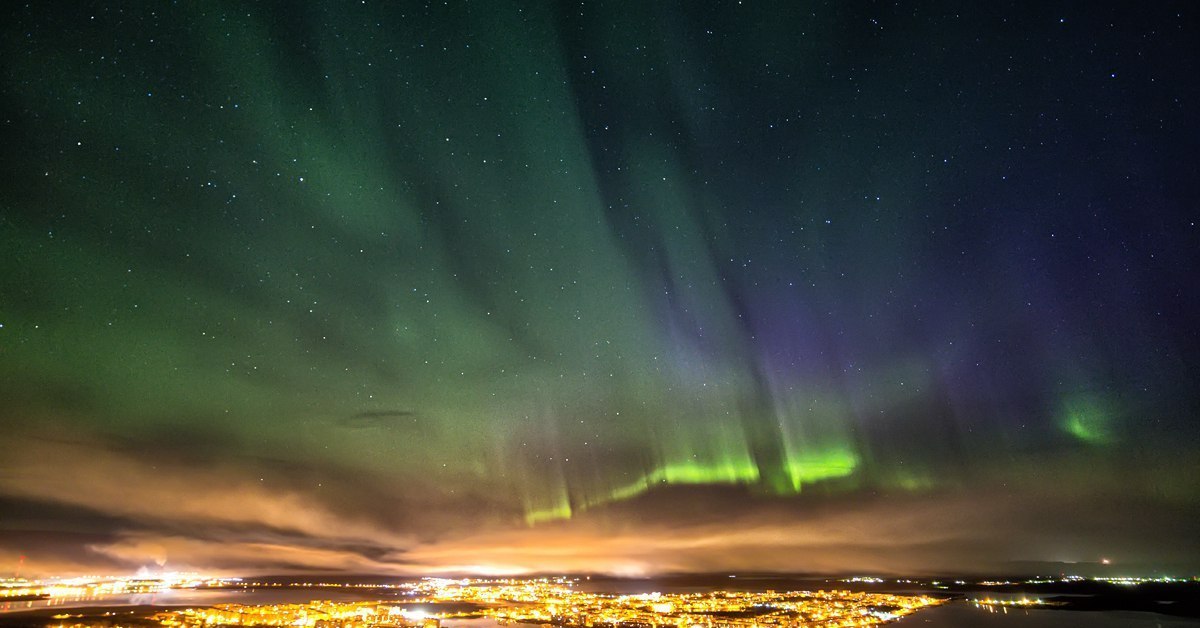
point(620, 287)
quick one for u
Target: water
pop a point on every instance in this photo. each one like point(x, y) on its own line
point(958, 614)
point(203, 597)
point(483, 622)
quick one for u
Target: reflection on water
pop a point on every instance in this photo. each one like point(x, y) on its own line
point(957, 614)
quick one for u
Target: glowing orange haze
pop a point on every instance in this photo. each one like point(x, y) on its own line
point(220, 521)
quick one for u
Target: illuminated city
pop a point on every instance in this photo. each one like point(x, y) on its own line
point(546, 601)
point(94, 602)
point(556, 603)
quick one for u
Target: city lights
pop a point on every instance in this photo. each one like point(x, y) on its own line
point(557, 602)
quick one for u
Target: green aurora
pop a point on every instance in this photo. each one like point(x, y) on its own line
point(503, 266)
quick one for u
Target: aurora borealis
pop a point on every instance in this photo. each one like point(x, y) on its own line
point(620, 287)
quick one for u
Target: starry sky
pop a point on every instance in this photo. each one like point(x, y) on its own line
point(623, 287)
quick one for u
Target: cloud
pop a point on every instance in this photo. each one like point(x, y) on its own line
point(880, 535)
point(238, 557)
point(380, 418)
point(162, 493)
point(81, 505)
